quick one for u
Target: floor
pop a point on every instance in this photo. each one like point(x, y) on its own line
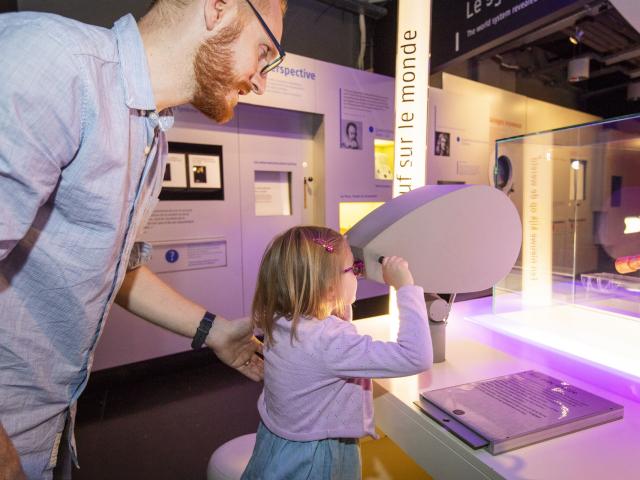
point(163, 419)
point(162, 422)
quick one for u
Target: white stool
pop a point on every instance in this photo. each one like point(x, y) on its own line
point(231, 458)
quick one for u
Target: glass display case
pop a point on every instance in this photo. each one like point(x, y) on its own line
point(575, 288)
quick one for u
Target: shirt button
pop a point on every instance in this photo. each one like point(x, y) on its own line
point(147, 149)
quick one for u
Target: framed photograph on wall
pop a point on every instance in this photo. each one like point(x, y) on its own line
point(351, 134)
point(442, 144)
point(204, 171)
point(194, 171)
point(175, 171)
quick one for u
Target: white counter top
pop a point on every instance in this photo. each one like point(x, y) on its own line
point(609, 451)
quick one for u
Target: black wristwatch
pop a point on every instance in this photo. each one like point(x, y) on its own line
point(203, 330)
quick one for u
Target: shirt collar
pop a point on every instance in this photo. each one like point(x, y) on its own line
point(163, 120)
point(133, 60)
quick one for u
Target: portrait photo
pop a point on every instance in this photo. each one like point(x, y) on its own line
point(351, 133)
point(442, 144)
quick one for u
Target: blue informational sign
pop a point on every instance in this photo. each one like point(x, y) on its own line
point(462, 28)
point(171, 256)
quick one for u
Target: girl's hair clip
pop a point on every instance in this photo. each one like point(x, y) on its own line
point(324, 244)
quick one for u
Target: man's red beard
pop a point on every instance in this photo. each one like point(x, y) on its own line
point(216, 83)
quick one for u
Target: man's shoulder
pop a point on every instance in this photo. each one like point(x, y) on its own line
point(44, 34)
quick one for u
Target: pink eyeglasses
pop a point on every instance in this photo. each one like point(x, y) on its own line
point(357, 269)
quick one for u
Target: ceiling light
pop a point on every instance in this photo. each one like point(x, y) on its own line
point(631, 225)
point(576, 37)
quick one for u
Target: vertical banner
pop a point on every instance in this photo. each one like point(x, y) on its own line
point(412, 82)
point(537, 223)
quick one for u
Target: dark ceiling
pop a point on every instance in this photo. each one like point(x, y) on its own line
point(536, 63)
point(604, 37)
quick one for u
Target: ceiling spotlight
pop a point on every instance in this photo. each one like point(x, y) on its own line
point(576, 37)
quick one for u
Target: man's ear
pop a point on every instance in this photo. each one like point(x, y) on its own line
point(214, 11)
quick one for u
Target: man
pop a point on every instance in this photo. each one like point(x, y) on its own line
point(83, 114)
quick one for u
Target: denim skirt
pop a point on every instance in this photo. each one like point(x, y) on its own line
point(275, 458)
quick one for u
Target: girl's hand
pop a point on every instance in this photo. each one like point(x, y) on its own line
point(395, 272)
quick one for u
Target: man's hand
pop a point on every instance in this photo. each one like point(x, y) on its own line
point(147, 296)
point(233, 342)
point(10, 468)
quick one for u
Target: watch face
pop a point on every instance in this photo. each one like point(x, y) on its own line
point(502, 172)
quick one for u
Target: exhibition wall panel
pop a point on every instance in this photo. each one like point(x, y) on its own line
point(458, 148)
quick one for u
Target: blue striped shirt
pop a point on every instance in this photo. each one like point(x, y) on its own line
point(82, 150)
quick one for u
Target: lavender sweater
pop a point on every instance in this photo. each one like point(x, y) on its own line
point(320, 386)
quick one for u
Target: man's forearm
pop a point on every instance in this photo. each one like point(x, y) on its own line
point(147, 296)
point(10, 468)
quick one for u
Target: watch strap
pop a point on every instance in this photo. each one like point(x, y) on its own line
point(203, 330)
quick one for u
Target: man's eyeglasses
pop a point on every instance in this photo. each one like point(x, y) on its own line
point(357, 269)
point(281, 53)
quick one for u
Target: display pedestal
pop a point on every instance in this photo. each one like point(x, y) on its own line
point(438, 340)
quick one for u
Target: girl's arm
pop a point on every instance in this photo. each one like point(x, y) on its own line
point(345, 353)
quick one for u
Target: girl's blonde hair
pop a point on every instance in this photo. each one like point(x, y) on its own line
point(300, 275)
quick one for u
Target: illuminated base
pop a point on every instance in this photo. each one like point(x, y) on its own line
point(599, 347)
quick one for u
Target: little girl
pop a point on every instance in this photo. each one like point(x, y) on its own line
point(317, 398)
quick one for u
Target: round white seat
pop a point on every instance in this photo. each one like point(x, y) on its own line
point(231, 458)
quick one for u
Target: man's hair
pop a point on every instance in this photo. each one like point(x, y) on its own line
point(299, 275)
point(168, 8)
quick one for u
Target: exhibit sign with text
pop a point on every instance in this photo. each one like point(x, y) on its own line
point(291, 85)
point(412, 75)
point(188, 255)
point(537, 225)
point(462, 29)
point(512, 411)
point(458, 150)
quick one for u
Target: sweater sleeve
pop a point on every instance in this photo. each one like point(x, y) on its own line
point(348, 354)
